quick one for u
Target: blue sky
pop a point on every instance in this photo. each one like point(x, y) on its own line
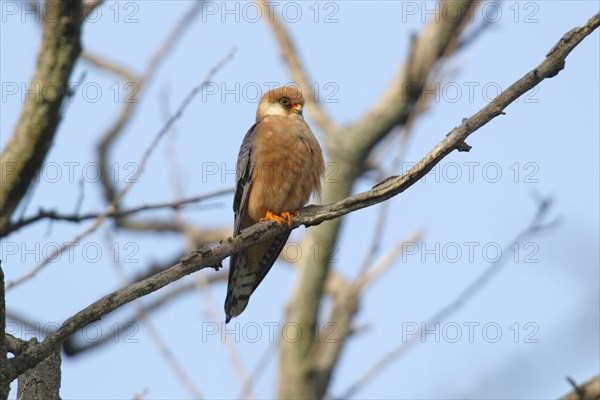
point(543, 304)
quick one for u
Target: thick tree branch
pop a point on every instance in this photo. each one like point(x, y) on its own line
point(37, 125)
point(42, 381)
point(588, 391)
point(312, 215)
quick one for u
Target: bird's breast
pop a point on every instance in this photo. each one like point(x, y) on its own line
point(287, 168)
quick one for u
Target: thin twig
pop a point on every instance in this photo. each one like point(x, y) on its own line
point(110, 66)
point(76, 217)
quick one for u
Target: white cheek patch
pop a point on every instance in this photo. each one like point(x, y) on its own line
point(275, 109)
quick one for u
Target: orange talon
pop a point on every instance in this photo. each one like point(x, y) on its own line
point(285, 217)
point(272, 217)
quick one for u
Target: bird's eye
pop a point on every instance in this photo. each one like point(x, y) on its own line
point(284, 101)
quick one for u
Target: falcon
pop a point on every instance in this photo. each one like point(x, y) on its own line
point(279, 166)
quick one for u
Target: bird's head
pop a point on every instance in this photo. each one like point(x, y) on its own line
point(283, 101)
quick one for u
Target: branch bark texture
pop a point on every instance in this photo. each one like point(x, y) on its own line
point(43, 380)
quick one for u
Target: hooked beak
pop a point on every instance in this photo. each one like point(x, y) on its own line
point(297, 108)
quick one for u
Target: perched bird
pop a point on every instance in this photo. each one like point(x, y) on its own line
point(279, 166)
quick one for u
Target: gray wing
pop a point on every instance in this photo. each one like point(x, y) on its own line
point(243, 176)
point(245, 274)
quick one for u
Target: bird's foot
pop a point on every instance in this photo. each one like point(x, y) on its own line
point(272, 217)
point(285, 217)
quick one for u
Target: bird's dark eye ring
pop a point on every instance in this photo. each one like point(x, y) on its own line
point(284, 101)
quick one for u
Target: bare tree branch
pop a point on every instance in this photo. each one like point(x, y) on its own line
point(14, 345)
point(312, 215)
point(55, 216)
point(109, 66)
point(40, 116)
